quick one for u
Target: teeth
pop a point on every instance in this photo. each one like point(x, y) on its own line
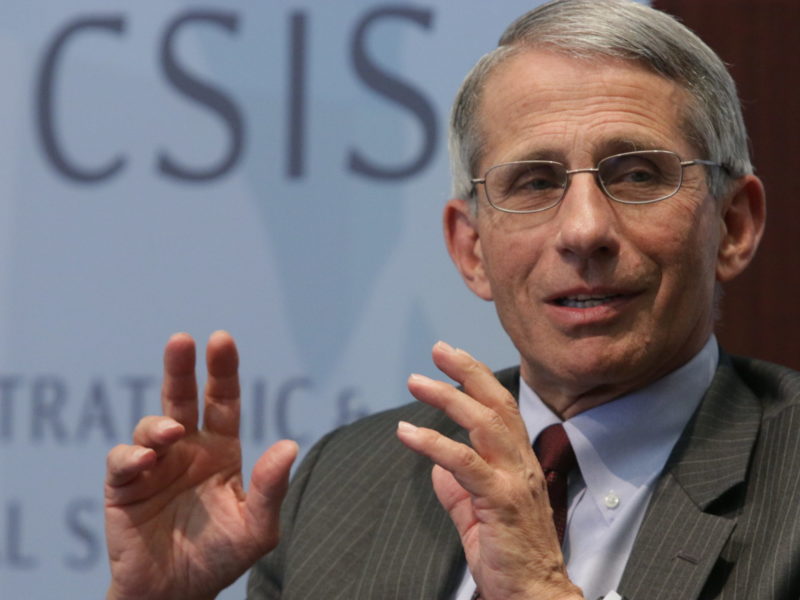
point(584, 301)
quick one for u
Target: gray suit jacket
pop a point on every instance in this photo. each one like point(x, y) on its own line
point(362, 522)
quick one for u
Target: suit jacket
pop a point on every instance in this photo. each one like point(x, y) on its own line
point(361, 520)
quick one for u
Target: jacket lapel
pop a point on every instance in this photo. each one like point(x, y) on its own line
point(426, 559)
point(413, 550)
point(694, 506)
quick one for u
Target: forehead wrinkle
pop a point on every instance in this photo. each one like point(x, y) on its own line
point(601, 115)
point(556, 137)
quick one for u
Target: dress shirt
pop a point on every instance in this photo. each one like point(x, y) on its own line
point(621, 448)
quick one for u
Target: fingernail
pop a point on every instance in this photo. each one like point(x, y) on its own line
point(445, 346)
point(416, 377)
point(140, 454)
point(167, 427)
point(406, 427)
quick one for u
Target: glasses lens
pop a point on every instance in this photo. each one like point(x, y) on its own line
point(526, 186)
point(641, 176)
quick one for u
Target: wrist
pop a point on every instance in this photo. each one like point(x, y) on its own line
point(572, 592)
point(565, 590)
point(114, 594)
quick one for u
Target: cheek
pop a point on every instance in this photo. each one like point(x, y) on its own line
point(511, 256)
point(509, 249)
point(512, 266)
point(688, 257)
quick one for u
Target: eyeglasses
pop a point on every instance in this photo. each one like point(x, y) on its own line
point(640, 177)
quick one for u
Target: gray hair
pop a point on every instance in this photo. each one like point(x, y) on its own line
point(619, 29)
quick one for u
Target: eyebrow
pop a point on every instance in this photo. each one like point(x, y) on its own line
point(628, 144)
point(608, 147)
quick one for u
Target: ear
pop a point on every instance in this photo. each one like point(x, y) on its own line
point(744, 213)
point(464, 245)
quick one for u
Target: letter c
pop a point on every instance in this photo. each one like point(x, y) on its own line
point(44, 102)
point(282, 409)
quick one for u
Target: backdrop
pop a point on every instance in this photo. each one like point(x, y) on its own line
point(274, 168)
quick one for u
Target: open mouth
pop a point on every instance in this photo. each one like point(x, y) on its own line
point(586, 301)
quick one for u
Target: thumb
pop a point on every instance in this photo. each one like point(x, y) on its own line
point(268, 485)
point(453, 498)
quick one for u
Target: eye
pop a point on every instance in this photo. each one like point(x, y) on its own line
point(631, 170)
point(525, 186)
point(638, 175)
point(535, 178)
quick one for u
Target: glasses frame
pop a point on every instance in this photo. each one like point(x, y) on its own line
point(596, 171)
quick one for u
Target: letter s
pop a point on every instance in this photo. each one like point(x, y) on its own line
point(83, 532)
point(204, 94)
point(396, 90)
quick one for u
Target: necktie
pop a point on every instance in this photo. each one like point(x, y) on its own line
point(557, 458)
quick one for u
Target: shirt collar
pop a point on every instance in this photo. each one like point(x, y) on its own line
point(622, 446)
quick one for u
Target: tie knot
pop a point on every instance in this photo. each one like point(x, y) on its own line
point(554, 450)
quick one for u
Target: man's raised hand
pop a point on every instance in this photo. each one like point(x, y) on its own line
point(494, 491)
point(179, 524)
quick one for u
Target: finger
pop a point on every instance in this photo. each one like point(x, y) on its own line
point(221, 411)
point(480, 383)
point(454, 499)
point(158, 433)
point(124, 463)
point(469, 469)
point(179, 389)
point(487, 431)
point(135, 473)
point(449, 492)
point(268, 485)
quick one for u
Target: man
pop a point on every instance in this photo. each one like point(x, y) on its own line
point(603, 192)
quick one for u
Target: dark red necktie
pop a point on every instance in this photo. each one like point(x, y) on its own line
point(557, 458)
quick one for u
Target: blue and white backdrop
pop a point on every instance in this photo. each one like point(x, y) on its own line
point(273, 168)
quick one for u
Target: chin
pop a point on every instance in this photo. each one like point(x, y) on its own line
point(596, 362)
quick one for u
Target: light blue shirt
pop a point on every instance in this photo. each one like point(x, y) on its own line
point(621, 448)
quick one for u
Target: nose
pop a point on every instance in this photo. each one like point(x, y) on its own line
point(586, 220)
